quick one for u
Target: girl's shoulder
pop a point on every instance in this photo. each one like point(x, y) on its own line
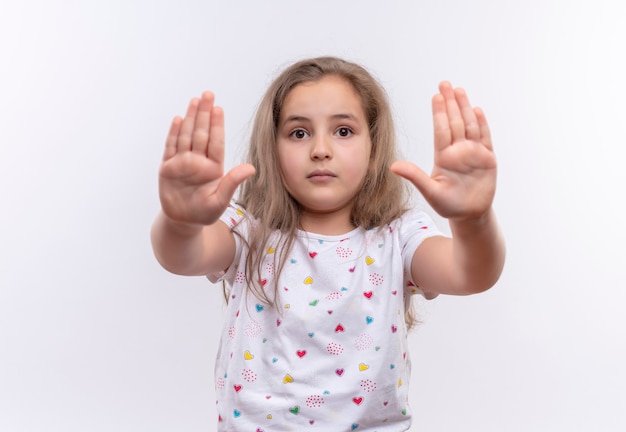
point(412, 228)
point(412, 217)
point(234, 215)
point(411, 221)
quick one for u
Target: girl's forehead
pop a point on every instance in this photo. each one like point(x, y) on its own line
point(328, 96)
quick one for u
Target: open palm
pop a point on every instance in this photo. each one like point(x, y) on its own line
point(192, 186)
point(463, 180)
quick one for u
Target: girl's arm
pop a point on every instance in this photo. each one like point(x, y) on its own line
point(468, 263)
point(187, 236)
point(192, 250)
point(461, 188)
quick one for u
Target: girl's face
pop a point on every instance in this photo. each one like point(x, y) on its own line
point(324, 151)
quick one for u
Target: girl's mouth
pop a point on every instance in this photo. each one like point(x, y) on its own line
point(321, 175)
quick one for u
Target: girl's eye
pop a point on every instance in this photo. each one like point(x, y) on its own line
point(344, 132)
point(299, 134)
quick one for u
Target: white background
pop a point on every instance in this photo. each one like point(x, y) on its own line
point(95, 336)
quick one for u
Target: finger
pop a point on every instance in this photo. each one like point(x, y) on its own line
point(184, 137)
point(229, 183)
point(472, 131)
point(455, 119)
point(215, 150)
point(441, 125)
point(200, 137)
point(483, 126)
point(172, 138)
point(415, 175)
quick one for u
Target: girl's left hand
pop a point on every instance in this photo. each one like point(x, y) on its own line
point(463, 180)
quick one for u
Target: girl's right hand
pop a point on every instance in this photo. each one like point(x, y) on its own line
point(192, 186)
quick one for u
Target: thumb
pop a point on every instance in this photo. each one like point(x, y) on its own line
point(232, 180)
point(415, 175)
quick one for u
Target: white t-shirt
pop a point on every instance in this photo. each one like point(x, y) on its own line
point(333, 356)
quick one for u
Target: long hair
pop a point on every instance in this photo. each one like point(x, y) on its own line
point(381, 198)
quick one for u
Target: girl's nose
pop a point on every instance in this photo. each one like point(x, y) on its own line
point(321, 149)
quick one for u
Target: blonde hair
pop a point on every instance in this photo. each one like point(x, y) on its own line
point(381, 198)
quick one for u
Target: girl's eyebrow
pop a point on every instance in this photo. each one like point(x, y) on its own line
point(299, 118)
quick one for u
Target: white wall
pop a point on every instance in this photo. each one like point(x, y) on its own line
point(95, 336)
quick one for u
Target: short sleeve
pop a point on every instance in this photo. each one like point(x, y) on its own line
point(414, 227)
point(235, 218)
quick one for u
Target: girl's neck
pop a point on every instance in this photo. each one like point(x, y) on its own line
point(333, 223)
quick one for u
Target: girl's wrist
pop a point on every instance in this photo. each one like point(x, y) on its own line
point(179, 227)
point(473, 223)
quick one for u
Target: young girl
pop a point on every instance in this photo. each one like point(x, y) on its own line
point(320, 251)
